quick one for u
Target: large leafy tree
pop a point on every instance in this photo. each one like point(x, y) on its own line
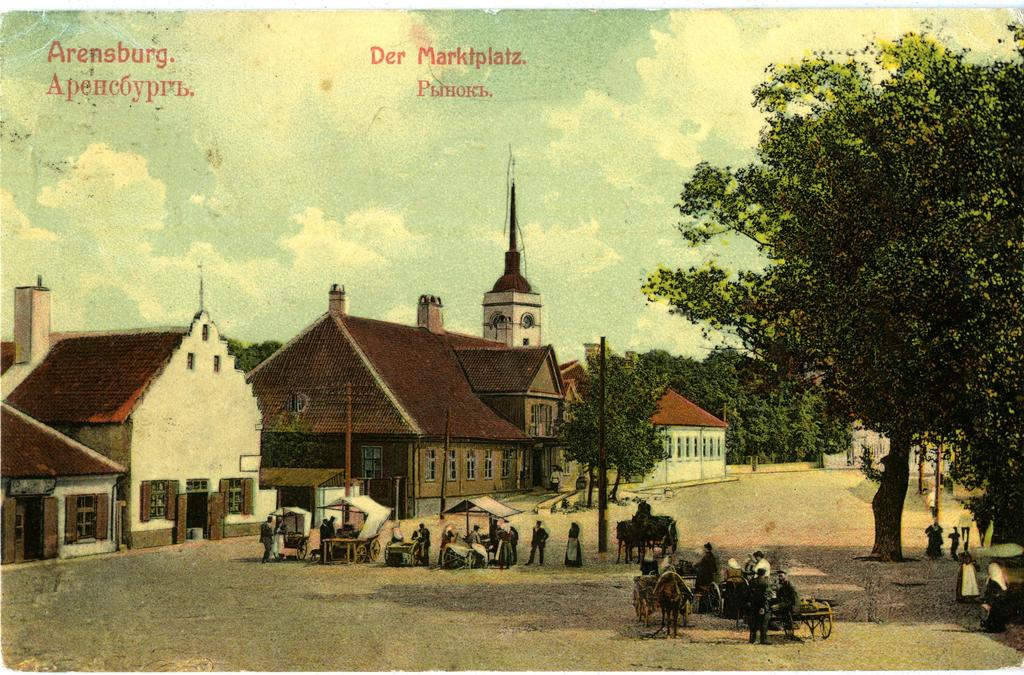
point(886, 198)
point(633, 444)
point(248, 355)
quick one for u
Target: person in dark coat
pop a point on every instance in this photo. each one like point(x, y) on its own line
point(537, 542)
point(954, 543)
point(326, 530)
point(514, 539)
point(267, 537)
point(934, 532)
point(573, 550)
point(707, 574)
point(422, 538)
point(787, 600)
point(759, 611)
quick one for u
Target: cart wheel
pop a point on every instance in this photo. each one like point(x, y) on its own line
point(715, 600)
point(375, 550)
point(826, 625)
point(362, 553)
point(301, 549)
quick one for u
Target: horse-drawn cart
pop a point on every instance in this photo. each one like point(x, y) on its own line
point(358, 540)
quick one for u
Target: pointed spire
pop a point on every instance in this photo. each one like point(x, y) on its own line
point(513, 225)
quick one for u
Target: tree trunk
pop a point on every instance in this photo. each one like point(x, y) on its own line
point(887, 504)
point(615, 488)
point(590, 486)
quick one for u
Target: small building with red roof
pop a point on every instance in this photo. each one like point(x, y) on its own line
point(57, 493)
point(694, 441)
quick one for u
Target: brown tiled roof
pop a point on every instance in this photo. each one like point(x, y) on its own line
point(316, 365)
point(422, 371)
point(404, 379)
point(502, 370)
point(513, 281)
point(6, 356)
point(33, 450)
point(676, 410)
point(574, 372)
point(95, 378)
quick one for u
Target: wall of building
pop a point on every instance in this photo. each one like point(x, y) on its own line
point(513, 305)
point(688, 456)
point(195, 424)
point(85, 485)
point(111, 440)
point(462, 485)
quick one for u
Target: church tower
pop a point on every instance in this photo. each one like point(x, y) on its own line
point(512, 310)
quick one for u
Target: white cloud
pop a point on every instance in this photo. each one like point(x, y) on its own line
point(109, 193)
point(15, 223)
point(561, 248)
point(657, 328)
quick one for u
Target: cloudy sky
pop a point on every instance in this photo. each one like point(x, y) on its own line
point(298, 163)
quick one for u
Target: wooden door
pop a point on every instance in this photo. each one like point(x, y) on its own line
point(216, 515)
point(182, 519)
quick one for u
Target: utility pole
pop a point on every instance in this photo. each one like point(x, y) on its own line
point(447, 450)
point(348, 440)
point(938, 478)
point(602, 496)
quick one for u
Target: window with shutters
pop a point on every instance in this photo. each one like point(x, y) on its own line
point(430, 468)
point(157, 499)
point(85, 514)
point(236, 495)
point(471, 465)
point(488, 464)
point(372, 465)
point(540, 420)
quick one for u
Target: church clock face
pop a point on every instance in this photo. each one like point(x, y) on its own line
point(527, 321)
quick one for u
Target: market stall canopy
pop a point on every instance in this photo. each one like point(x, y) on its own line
point(285, 510)
point(482, 506)
point(276, 477)
point(299, 518)
point(376, 514)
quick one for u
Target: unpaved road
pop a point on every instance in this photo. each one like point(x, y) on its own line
point(212, 606)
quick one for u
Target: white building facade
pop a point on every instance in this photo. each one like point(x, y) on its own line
point(694, 442)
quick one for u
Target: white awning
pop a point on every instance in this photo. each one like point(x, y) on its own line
point(376, 514)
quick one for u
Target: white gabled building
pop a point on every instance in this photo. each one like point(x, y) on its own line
point(694, 442)
point(168, 404)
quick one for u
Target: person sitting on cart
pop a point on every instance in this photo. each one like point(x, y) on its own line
point(707, 574)
point(422, 551)
point(448, 536)
point(787, 600)
point(396, 535)
point(327, 529)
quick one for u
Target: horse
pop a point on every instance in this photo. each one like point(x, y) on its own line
point(643, 597)
point(625, 533)
point(643, 533)
point(674, 598)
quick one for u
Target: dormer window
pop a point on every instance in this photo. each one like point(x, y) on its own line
point(206, 332)
point(297, 402)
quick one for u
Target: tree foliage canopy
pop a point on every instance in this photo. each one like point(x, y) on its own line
point(886, 197)
point(633, 444)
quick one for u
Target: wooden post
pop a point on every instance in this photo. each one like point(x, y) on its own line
point(920, 468)
point(444, 461)
point(348, 439)
point(602, 496)
point(938, 478)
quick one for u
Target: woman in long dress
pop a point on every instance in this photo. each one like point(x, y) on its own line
point(573, 550)
point(967, 580)
point(279, 538)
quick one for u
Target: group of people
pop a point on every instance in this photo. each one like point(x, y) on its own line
point(502, 544)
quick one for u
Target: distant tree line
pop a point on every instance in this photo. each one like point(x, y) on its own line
point(248, 355)
point(771, 419)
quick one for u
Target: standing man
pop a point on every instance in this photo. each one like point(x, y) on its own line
point(934, 533)
point(537, 542)
point(514, 539)
point(422, 539)
point(267, 537)
point(954, 542)
point(759, 612)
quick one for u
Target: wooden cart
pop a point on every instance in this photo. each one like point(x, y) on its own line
point(816, 615)
point(358, 541)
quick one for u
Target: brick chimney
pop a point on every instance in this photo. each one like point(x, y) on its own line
point(31, 322)
point(336, 302)
point(428, 314)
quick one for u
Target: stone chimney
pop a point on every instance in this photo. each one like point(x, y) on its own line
point(591, 350)
point(336, 302)
point(428, 314)
point(31, 322)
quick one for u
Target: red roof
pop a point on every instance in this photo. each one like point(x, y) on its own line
point(404, 380)
point(509, 370)
point(676, 410)
point(95, 378)
point(33, 450)
point(6, 356)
